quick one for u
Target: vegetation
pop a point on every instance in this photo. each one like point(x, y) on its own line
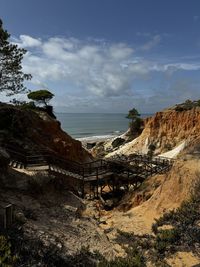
point(133, 259)
point(151, 150)
point(41, 97)
point(167, 147)
point(133, 114)
point(136, 121)
point(176, 230)
point(38, 183)
point(6, 257)
point(33, 252)
point(185, 231)
point(134, 253)
point(23, 104)
point(117, 142)
point(11, 75)
point(187, 105)
point(165, 239)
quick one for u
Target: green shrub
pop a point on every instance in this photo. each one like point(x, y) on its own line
point(151, 150)
point(117, 142)
point(187, 105)
point(184, 220)
point(6, 258)
point(134, 251)
point(133, 259)
point(166, 238)
point(38, 183)
point(29, 105)
point(136, 125)
point(126, 235)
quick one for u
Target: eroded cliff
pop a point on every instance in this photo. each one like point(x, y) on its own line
point(35, 131)
point(166, 130)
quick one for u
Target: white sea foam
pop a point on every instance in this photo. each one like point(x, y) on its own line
point(96, 138)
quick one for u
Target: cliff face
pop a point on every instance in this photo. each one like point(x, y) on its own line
point(165, 192)
point(38, 131)
point(166, 130)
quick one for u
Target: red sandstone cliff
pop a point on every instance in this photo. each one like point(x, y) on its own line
point(169, 128)
point(36, 131)
point(166, 130)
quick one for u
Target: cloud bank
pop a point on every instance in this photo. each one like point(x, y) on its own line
point(95, 69)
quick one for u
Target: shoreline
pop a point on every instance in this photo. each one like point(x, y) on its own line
point(95, 139)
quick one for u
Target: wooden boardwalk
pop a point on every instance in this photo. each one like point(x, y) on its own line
point(93, 177)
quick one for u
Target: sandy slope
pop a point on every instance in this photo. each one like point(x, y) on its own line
point(174, 189)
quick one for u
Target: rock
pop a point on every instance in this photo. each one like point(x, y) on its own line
point(19, 216)
point(76, 203)
point(109, 204)
point(90, 145)
point(74, 200)
point(59, 245)
point(117, 142)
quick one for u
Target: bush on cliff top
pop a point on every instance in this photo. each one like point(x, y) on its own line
point(187, 105)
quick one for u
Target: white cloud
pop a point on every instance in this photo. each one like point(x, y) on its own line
point(28, 41)
point(120, 51)
point(96, 69)
point(101, 65)
point(151, 44)
point(102, 69)
point(173, 67)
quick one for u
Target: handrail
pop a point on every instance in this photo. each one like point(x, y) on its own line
point(143, 156)
point(18, 156)
point(89, 168)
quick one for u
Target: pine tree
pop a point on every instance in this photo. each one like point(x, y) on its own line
point(133, 114)
point(41, 96)
point(11, 74)
point(136, 123)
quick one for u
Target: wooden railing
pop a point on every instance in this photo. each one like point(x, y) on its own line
point(134, 165)
point(133, 169)
point(50, 158)
point(15, 153)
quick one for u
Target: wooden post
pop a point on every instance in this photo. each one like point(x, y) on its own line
point(83, 183)
point(97, 176)
point(90, 168)
point(151, 166)
point(113, 186)
point(91, 189)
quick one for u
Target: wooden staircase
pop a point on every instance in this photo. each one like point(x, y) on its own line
point(115, 172)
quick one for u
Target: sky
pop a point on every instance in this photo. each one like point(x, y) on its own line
point(108, 55)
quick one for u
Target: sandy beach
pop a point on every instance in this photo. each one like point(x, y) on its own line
point(95, 139)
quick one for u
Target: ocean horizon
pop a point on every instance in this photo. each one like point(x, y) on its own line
point(84, 126)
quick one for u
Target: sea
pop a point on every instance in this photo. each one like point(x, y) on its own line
point(89, 126)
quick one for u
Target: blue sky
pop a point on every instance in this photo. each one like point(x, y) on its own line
point(109, 55)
